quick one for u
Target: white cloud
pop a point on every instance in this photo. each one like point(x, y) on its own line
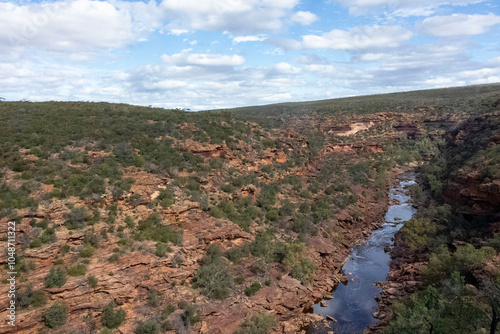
point(259, 38)
point(321, 69)
point(286, 68)
point(304, 18)
point(239, 17)
point(459, 24)
point(165, 84)
point(356, 39)
point(402, 8)
point(69, 26)
point(203, 59)
point(213, 87)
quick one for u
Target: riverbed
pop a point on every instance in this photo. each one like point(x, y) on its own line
point(353, 304)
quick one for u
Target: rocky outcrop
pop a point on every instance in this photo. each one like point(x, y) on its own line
point(472, 194)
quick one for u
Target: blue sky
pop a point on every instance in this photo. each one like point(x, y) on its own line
point(206, 54)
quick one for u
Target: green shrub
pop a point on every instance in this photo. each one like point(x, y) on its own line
point(418, 233)
point(48, 236)
point(449, 311)
point(169, 310)
point(65, 249)
point(55, 278)
point(239, 280)
point(37, 242)
point(166, 198)
point(314, 187)
point(148, 327)
point(287, 209)
point(161, 249)
point(112, 319)
point(56, 315)
point(272, 215)
point(153, 298)
point(191, 315)
point(300, 268)
point(464, 260)
point(91, 238)
point(252, 290)
point(87, 251)
point(28, 296)
point(92, 281)
point(236, 253)
point(301, 224)
point(78, 270)
point(214, 277)
point(359, 173)
point(152, 229)
point(114, 258)
point(77, 218)
point(260, 323)
point(106, 330)
point(266, 247)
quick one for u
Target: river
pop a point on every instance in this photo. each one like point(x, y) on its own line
point(353, 304)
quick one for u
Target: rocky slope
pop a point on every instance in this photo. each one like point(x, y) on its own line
point(128, 203)
point(471, 189)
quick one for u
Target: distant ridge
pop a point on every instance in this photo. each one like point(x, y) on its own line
point(367, 104)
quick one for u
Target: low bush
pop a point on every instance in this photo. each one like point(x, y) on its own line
point(87, 251)
point(29, 297)
point(161, 249)
point(463, 260)
point(78, 270)
point(153, 298)
point(214, 277)
point(56, 315)
point(252, 289)
point(148, 327)
point(152, 229)
point(419, 233)
point(56, 278)
point(92, 281)
point(77, 218)
point(114, 258)
point(191, 314)
point(260, 323)
point(112, 318)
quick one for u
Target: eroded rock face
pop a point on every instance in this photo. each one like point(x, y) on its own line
point(137, 270)
point(472, 195)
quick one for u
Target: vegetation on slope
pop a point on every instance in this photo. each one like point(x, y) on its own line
point(97, 185)
point(461, 292)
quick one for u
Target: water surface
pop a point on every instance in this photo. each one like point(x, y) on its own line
point(353, 304)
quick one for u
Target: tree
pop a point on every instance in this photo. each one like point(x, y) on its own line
point(492, 291)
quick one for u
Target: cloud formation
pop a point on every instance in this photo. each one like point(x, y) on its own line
point(188, 59)
point(403, 8)
point(304, 18)
point(74, 26)
point(203, 54)
point(459, 24)
point(358, 38)
point(239, 17)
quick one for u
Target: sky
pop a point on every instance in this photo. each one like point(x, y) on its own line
point(211, 54)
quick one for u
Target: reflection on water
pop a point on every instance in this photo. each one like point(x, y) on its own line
point(354, 303)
